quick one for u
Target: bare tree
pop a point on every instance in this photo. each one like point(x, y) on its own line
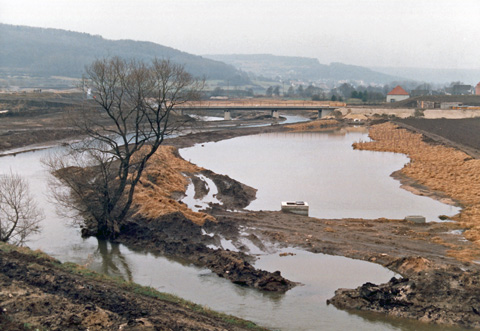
point(128, 121)
point(19, 214)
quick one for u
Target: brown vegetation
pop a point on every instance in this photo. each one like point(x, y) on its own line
point(438, 168)
point(317, 125)
point(163, 178)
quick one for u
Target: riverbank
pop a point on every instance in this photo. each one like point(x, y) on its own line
point(39, 292)
point(443, 294)
point(407, 248)
point(443, 170)
point(413, 250)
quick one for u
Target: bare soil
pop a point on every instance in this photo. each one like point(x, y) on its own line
point(35, 118)
point(438, 282)
point(463, 134)
point(38, 292)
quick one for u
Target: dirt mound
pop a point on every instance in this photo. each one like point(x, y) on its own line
point(162, 178)
point(175, 235)
point(360, 117)
point(437, 296)
point(317, 125)
point(232, 266)
point(411, 265)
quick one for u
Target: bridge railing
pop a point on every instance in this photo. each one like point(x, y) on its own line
point(259, 104)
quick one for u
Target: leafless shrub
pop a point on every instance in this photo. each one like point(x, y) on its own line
point(19, 214)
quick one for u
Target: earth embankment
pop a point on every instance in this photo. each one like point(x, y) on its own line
point(463, 134)
point(441, 293)
point(414, 251)
point(39, 292)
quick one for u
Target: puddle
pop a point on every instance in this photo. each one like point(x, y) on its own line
point(203, 203)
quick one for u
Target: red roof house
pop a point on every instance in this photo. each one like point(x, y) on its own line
point(397, 94)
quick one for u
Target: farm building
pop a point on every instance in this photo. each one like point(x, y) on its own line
point(462, 89)
point(397, 94)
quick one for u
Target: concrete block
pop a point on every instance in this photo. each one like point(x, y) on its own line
point(415, 219)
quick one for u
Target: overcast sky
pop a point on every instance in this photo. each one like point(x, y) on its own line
point(398, 33)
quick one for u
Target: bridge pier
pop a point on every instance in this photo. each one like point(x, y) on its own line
point(324, 112)
point(275, 114)
point(226, 115)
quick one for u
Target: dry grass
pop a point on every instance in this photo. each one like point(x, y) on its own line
point(160, 180)
point(317, 125)
point(439, 168)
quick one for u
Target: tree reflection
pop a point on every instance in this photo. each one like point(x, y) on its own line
point(113, 261)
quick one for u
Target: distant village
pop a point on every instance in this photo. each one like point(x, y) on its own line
point(421, 96)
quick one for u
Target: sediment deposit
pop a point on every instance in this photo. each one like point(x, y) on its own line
point(445, 170)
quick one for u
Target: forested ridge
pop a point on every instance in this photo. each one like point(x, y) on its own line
point(54, 52)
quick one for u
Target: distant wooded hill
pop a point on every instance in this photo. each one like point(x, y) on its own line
point(302, 68)
point(54, 52)
point(439, 76)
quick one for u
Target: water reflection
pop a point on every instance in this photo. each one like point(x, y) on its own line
point(302, 308)
point(395, 323)
point(113, 262)
point(320, 168)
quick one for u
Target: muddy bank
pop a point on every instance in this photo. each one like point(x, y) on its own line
point(450, 296)
point(440, 282)
point(232, 194)
point(383, 241)
point(218, 134)
point(441, 288)
point(412, 250)
point(176, 236)
point(41, 293)
point(444, 171)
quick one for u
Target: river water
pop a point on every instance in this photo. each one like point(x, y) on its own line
point(320, 168)
point(268, 160)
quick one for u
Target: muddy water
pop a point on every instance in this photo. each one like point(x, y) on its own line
point(56, 235)
point(320, 168)
point(302, 308)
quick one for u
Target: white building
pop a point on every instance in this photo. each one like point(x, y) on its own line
point(397, 94)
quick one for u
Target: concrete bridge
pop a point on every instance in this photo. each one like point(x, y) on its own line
point(273, 107)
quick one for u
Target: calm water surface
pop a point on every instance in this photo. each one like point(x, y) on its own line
point(302, 308)
point(320, 168)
